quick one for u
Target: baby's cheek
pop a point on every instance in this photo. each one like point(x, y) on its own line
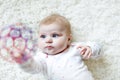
point(62, 45)
point(40, 45)
point(58, 43)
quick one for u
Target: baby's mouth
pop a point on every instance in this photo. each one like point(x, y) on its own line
point(49, 47)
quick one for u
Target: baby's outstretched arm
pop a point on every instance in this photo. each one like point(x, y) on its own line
point(31, 64)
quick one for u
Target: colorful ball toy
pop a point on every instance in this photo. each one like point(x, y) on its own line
point(17, 40)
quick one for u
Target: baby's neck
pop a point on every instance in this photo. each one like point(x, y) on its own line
point(64, 50)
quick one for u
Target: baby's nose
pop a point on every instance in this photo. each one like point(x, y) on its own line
point(49, 40)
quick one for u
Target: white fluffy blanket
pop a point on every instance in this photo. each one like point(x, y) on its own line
point(91, 20)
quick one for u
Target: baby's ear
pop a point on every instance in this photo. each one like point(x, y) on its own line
point(70, 37)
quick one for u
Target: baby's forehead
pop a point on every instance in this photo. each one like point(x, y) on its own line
point(51, 30)
point(51, 27)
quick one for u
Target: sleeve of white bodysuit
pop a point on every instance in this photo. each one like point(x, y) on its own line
point(96, 48)
point(35, 65)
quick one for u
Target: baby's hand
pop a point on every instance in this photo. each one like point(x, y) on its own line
point(19, 56)
point(86, 51)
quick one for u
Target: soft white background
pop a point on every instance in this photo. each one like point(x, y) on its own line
point(91, 20)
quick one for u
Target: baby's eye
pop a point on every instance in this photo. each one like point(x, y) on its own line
point(42, 36)
point(55, 35)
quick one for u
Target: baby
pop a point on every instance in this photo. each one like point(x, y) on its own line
point(58, 57)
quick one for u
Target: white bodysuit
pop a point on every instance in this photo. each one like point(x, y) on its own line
point(67, 65)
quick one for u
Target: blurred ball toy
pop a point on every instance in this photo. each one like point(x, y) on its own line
point(15, 40)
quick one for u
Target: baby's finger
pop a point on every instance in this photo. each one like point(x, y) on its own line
point(17, 59)
point(86, 54)
point(22, 58)
point(83, 50)
point(89, 55)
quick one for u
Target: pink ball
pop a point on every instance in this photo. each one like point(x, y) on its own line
point(15, 39)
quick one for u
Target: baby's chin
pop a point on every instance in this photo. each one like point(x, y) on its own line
point(50, 52)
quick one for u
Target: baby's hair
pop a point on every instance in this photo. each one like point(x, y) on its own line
point(56, 18)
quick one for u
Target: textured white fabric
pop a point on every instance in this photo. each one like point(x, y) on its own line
point(91, 20)
point(67, 65)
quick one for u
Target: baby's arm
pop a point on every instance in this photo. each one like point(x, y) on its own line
point(31, 64)
point(89, 49)
point(34, 65)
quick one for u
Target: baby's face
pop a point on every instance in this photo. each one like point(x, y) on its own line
point(53, 38)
